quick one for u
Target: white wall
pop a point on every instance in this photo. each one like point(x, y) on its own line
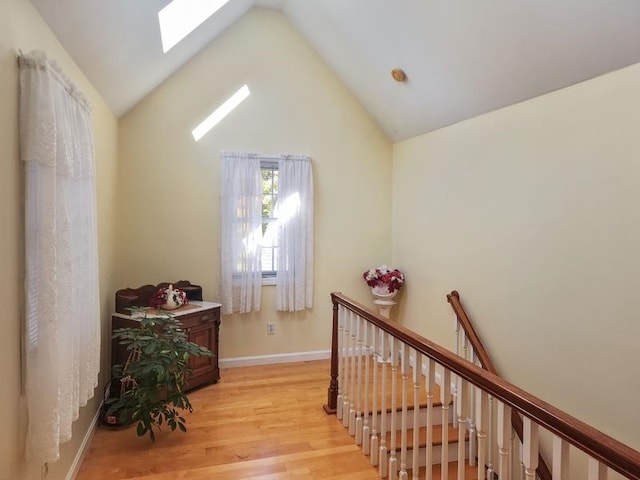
point(531, 212)
point(171, 183)
point(22, 28)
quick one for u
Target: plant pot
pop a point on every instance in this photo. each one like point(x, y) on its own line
point(382, 292)
point(112, 421)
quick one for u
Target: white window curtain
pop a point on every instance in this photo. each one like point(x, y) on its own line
point(294, 277)
point(62, 334)
point(241, 232)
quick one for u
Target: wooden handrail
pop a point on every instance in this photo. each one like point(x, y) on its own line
point(454, 299)
point(485, 360)
point(607, 450)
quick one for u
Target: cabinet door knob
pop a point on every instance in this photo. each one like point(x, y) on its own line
point(204, 318)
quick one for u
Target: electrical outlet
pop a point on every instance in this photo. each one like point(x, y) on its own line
point(271, 328)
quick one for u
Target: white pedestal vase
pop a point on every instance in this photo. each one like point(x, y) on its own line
point(383, 299)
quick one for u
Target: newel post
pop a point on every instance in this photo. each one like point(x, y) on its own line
point(332, 394)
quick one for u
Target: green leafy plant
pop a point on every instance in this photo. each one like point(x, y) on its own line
point(152, 379)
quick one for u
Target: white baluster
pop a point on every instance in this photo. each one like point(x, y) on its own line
point(517, 455)
point(560, 468)
point(383, 460)
point(482, 424)
point(393, 461)
point(357, 426)
point(366, 429)
point(491, 439)
point(445, 391)
point(404, 371)
point(471, 457)
point(341, 360)
point(430, 385)
point(454, 378)
point(596, 470)
point(347, 370)
point(456, 327)
point(504, 438)
point(463, 413)
point(529, 448)
point(377, 354)
point(417, 378)
point(465, 345)
point(352, 378)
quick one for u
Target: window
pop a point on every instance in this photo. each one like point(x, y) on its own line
point(180, 17)
point(266, 231)
point(62, 314)
point(269, 259)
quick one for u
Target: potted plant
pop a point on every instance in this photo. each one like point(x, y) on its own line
point(152, 379)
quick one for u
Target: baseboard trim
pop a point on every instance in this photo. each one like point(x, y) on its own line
point(271, 359)
point(82, 451)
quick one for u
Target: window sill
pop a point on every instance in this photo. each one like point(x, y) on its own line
point(269, 281)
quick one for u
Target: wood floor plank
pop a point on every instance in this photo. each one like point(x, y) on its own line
point(257, 423)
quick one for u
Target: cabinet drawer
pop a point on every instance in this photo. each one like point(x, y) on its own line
point(199, 318)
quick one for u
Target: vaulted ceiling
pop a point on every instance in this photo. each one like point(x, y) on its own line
point(462, 57)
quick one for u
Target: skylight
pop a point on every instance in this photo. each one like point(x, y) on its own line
point(222, 111)
point(181, 17)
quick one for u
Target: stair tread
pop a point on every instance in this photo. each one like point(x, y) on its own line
point(422, 436)
point(410, 408)
point(471, 473)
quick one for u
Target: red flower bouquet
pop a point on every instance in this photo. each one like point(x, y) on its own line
point(383, 276)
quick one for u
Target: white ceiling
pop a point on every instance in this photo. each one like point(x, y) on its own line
point(462, 57)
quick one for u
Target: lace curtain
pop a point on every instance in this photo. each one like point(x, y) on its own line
point(294, 278)
point(241, 232)
point(62, 334)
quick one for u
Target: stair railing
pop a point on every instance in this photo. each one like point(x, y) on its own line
point(478, 354)
point(364, 341)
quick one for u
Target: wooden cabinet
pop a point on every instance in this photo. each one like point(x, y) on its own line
point(201, 321)
point(202, 328)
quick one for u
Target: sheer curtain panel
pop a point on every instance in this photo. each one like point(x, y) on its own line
point(294, 277)
point(62, 334)
point(241, 232)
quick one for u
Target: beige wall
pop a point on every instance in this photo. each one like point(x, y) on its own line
point(531, 212)
point(297, 105)
point(22, 28)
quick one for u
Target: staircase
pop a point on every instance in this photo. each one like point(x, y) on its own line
point(415, 407)
point(443, 439)
point(403, 427)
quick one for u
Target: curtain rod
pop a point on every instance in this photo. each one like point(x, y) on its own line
point(278, 157)
point(268, 158)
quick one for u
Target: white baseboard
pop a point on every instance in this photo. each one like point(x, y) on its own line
point(271, 359)
point(82, 451)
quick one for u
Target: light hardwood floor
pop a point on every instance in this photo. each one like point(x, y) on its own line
point(258, 423)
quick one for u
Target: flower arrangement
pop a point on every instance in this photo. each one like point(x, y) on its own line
point(383, 276)
point(168, 298)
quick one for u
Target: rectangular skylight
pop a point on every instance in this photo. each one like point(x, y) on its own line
point(222, 111)
point(180, 17)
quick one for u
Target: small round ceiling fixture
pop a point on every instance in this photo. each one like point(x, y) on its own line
point(398, 75)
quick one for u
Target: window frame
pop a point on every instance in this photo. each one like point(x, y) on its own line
point(269, 276)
